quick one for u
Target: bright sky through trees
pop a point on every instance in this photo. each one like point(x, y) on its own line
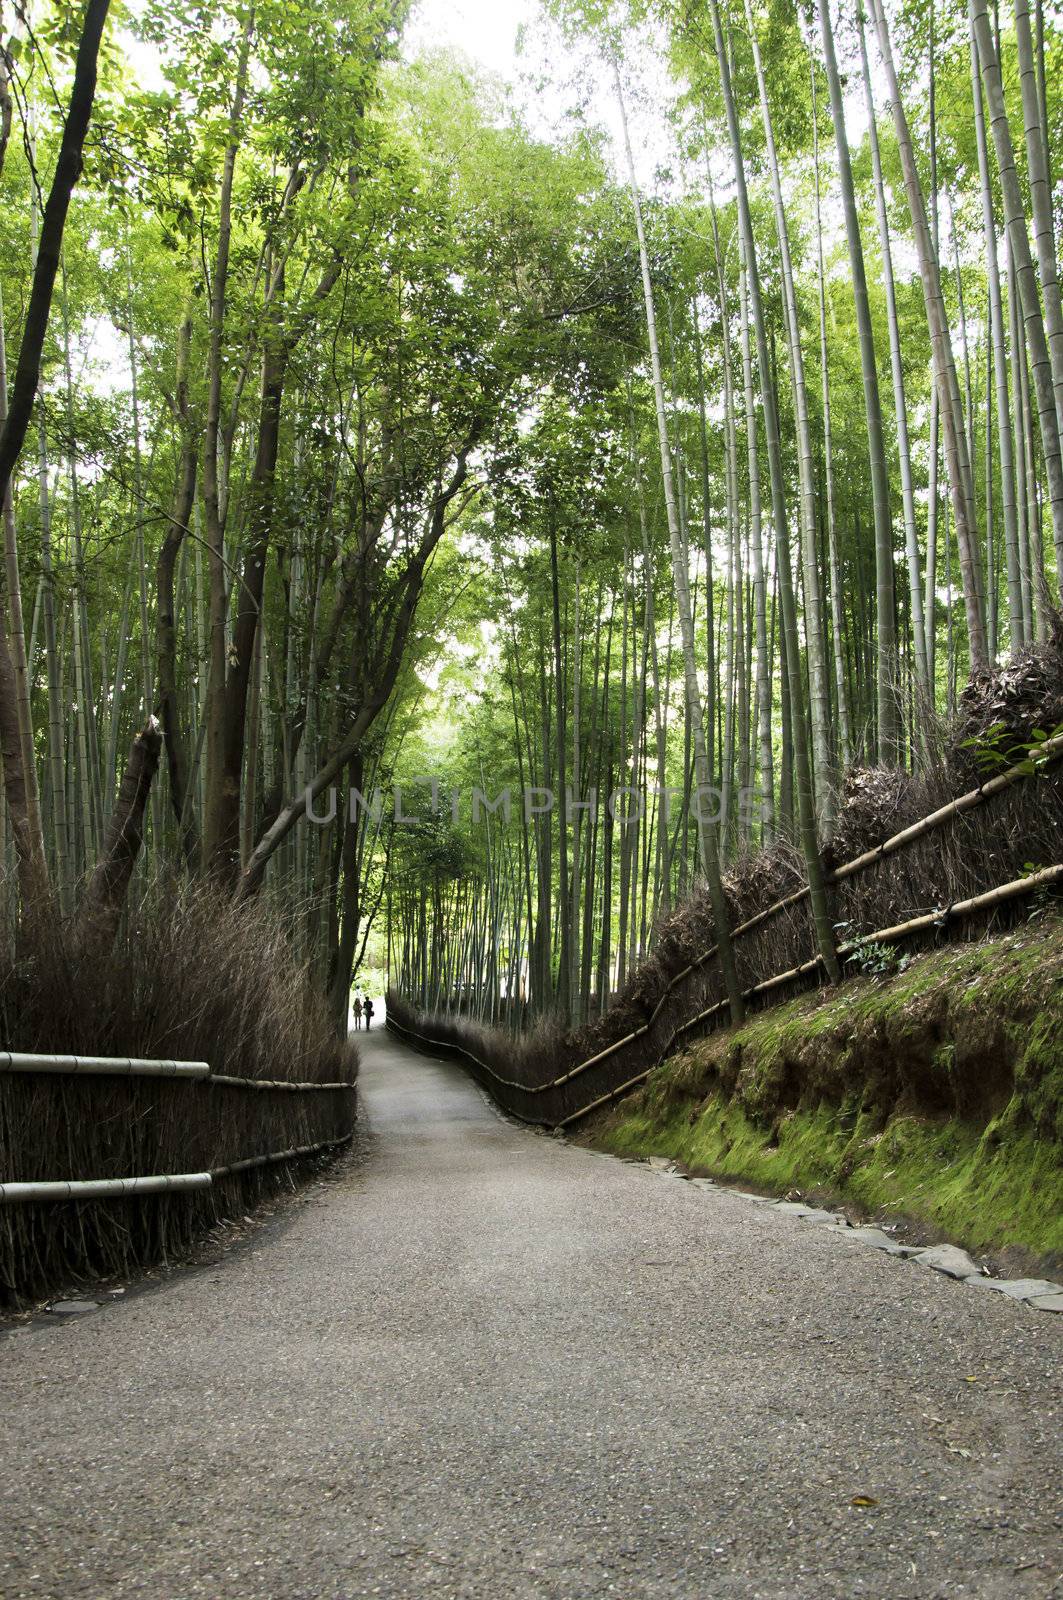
point(484, 30)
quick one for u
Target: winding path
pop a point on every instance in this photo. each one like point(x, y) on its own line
point(479, 1362)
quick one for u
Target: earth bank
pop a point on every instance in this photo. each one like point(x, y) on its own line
point(931, 1092)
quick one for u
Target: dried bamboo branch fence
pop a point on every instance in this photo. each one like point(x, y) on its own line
point(104, 1079)
point(171, 1154)
point(522, 1097)
point(167, 1183)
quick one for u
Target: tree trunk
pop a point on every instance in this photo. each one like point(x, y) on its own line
point(957, 448)
point(215, 813)
point(16, 630)
point(53, 223)
point(165, 607)
point(886, 655)
point(19, 783)
point(787, 598)
point(706, 829)
point(106, 890)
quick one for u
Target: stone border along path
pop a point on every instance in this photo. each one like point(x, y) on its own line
point(1040, 1293)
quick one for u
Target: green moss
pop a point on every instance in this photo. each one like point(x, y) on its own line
point(937, 1094)
point(1039, 1074)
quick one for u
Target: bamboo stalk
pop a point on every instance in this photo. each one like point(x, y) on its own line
point(1017, 889)
point(1053, 750)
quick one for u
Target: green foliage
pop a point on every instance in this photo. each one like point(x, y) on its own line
point(871, 957)
point(992, 753)
point(454, 294)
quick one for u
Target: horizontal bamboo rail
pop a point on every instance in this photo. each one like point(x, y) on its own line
point(275, 1083)
point(1049, 878)
point(172, 1183)
point(99, 1066)
point(85, 1066)
point(296, 1153)
point(470, 1055)
point(461, 1050)
point(104, 1188)
point(130, 1067)
point(1051, 750)
point(1018, 888)
point(1047, 753)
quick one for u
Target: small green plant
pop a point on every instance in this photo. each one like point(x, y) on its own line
point(868, 956)
point(992, 755)
point(1041, 900)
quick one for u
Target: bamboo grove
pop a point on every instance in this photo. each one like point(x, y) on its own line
point(834, 450)
point(369, 456)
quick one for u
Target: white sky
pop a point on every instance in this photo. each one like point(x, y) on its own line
point(486, 31)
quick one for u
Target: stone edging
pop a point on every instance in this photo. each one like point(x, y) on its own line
point(949, 1259)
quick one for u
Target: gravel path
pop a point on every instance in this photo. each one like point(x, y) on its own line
point(483, 1363)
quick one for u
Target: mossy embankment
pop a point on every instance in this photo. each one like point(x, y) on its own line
point(934, 1094)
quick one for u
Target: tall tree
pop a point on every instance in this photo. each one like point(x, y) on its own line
point(709, 850)
point(787, 598)
point(886, 673)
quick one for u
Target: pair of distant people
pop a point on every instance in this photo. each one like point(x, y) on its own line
point(363, 1009)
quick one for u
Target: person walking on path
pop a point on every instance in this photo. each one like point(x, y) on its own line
point(368, 1009)
point(357, 1011)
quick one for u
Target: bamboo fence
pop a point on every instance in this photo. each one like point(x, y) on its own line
point(1047, 879)
point(170, 1183)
